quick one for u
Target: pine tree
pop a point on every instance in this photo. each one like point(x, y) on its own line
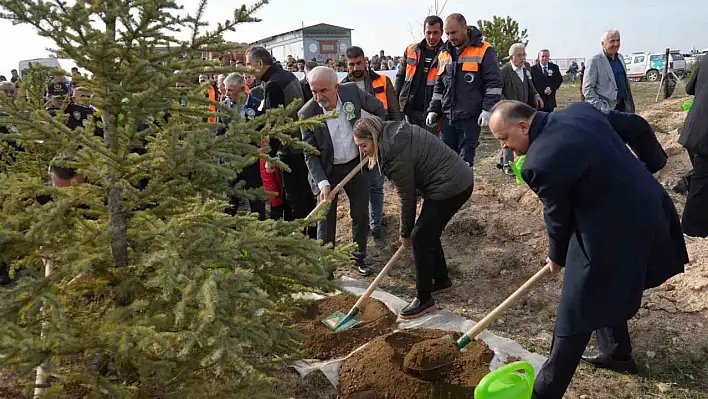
point(154, 292)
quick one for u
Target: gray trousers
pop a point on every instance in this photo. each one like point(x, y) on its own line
point(358, 193)
point(506, 156)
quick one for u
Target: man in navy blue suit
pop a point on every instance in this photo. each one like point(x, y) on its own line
point(610, 224)
point(250, 107)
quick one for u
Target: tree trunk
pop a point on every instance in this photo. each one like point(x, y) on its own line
point(116, 213)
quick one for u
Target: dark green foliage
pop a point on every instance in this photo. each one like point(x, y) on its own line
point(502, 33)
point(130, 309)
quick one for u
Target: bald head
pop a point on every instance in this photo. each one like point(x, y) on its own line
point(510, 123)
point(456, 30)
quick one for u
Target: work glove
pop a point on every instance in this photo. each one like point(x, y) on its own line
point(431, 119)
point(483, 120)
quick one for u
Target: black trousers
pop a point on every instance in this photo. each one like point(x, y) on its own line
point(428, 255)
point(695, 213)
point(358, 193)
point(251, 176)
point(297, 189)
point(557, 372)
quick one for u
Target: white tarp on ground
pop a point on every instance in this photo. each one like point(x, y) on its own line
point(441, 320)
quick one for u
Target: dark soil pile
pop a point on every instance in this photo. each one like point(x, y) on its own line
point(378, 371)
point(374, 320)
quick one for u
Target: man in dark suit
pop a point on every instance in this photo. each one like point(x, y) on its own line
point(281, 88)
point(694, 137)
point(338, 153)
point(306, 92)
point(616, 234)
point(547, 79)
point(248, 108)
point(518, 86)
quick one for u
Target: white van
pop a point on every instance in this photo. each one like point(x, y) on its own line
point(651, 65)
point(24, 65)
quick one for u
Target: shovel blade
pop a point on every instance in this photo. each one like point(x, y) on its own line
point(339, 321)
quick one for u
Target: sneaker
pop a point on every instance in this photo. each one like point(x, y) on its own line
point(416, 309)
point(379, 239)
point(508, 171)
point(440, 287)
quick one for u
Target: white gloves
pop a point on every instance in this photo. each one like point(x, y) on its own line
point(483, 120)
point(431, 119)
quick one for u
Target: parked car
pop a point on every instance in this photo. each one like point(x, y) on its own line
point(693, 57)
point(650, 66)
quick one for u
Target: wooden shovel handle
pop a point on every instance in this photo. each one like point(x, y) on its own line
point(380, 277)
point(494, 314)
point(333, 193)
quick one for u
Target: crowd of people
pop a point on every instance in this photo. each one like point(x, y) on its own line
point(610, 223)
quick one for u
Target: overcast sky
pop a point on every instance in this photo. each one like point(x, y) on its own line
point(568, 28)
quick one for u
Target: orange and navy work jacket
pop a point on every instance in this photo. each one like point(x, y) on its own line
point(469, 80)
point(213, 96)
point(406, 83)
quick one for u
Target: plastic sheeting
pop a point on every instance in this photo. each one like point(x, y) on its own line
point(441, 320)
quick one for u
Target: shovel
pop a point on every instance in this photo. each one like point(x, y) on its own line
point(420, 357)
point(494, 314)
point(333, 193)
point(338, 321)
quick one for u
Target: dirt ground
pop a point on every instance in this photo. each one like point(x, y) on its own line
point(498, 240)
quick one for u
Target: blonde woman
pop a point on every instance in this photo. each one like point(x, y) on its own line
point(416, 161)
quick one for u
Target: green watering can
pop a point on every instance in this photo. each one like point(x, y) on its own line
point(516, 167)
point(513, 381)
point(686, 106)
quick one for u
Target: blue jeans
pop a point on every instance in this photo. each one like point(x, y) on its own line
point(462, 136)
point(376, 198)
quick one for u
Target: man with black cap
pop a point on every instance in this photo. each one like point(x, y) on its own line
point(57, 95)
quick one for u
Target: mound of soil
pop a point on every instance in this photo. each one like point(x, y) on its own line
point(378, 372)
point(375, 319)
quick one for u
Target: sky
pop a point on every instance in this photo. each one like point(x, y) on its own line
point(569, 29)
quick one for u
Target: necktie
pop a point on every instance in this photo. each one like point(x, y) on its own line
point(545, 70)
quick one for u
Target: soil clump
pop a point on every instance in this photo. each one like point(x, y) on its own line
point(322, 342)
point(379, 369)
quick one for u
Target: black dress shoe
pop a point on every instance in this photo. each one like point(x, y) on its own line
point(604, 361)
point(681, 187)
point(362, 269)
point(442, 286)
point(416, 309)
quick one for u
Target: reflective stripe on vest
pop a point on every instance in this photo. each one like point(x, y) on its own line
point(412, 60)
point(212, 108)
point(470, 58)
point(379, 86)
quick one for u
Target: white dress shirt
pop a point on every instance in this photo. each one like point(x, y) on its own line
point(519, 72)
point(340, 130)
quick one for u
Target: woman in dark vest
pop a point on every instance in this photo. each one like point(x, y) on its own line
point(418, 162)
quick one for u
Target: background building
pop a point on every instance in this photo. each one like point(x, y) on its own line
point(317, 42)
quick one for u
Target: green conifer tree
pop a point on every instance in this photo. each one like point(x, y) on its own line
point(153, 293)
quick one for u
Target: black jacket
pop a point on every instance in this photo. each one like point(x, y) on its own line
point(418, 162)
point(553, 79)
point(306, 91)
point(616, 234)
point(281, 87)
point(694, 134)
point(462, 94)
point(407, 89)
